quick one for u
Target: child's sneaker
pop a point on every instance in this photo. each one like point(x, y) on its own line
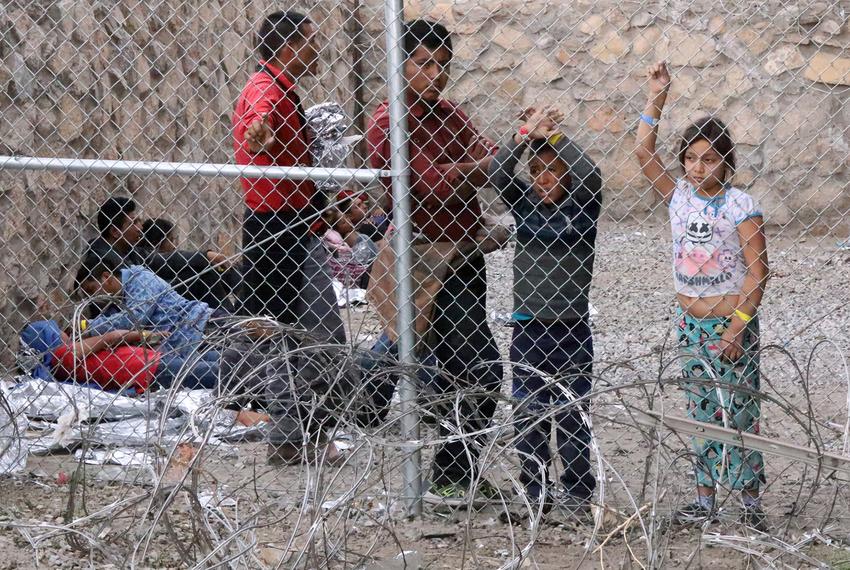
point(449, 495)
point(455, 495)
point(488, 492)
point(570, 509)
point(754, 517)
point(693, 513)
point(518, 511)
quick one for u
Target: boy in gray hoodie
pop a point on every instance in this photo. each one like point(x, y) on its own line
point(556, 215)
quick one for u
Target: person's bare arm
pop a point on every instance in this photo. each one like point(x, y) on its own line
point(754, 244)
point(647, 135)
point(88, 346)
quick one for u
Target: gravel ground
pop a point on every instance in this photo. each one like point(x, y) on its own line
point(805, 305)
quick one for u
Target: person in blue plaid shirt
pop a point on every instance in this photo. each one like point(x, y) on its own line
point(146, 302)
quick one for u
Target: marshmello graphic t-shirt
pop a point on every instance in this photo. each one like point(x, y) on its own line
point(708, 259)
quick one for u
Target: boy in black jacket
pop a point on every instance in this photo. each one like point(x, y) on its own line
point(556, 215)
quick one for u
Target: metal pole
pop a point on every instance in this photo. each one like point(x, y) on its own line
point(97, 166)
point(412, 492)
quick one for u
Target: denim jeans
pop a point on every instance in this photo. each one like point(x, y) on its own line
point(194, 373)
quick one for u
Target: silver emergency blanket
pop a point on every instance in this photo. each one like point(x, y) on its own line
point(53, 416)
point(329, 147)
point(46, 400)
point(13, 447)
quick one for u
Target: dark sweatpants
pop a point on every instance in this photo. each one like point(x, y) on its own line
point(564, 350)
point(287, 277)
point(463, 346)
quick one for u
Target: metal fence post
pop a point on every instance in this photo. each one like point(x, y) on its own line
point(401, 242)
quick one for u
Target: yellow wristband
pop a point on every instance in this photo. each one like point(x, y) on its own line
point(743, 316)
point(84, 324)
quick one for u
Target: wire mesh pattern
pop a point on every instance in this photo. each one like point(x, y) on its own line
point(564, 281)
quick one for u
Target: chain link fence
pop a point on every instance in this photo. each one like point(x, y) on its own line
point(270, 287)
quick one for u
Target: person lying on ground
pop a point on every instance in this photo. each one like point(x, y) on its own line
point(144, 301)
point(116, 360)
point(148, 302)
point(119, 360)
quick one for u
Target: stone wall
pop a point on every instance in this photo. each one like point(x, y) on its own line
point(123, 80)
point(777, 72)
point(157, 80)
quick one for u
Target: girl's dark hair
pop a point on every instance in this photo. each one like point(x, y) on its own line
point(714, 132)
point(155, 231)
point(277, 30)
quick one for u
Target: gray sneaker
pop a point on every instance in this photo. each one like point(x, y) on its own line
point(571, 509)
point(692, 514)
point(517, 510)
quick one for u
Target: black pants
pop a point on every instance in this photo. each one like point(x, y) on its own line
point(564, 350)
point(461, 343)
point(272, 276)
point(287, 278)
point(464, 347)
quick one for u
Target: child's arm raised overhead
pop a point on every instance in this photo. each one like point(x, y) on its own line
point(647, 133)
point(540, 124)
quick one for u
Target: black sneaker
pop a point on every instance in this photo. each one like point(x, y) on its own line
point(693, 513)
point(284, 454)
point(754, 518)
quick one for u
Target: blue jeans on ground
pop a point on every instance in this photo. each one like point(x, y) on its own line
point(564, 350)
point(194, 373)
point(380, 383)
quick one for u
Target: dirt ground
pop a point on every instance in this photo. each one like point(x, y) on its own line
point(351, 516)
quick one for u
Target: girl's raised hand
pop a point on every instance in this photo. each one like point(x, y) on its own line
point(556, 115)
point(659, 78)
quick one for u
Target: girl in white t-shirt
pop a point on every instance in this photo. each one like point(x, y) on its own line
point(720, 270)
